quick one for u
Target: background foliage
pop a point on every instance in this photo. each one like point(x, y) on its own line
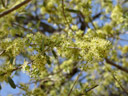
point(67, 47)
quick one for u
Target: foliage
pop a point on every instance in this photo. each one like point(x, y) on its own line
point(63, 39)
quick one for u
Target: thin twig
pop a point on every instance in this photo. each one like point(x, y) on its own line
point(120, 85)
point(14, 69)
point(14, 8)
point(118, 82)
point(11, 70)
point(92, 23)
point(91, 88)
point(63, 10)
point(41, 80)
point(2, 52)
point(74, 83)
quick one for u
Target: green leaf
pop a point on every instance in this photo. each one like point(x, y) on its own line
point(11, 60)
point(48, 59)
point(11, 82)
point(37, 25)
point(0, 87)
point(72, 10)
point(42, 46)
point(54, 53)
point(21, 17)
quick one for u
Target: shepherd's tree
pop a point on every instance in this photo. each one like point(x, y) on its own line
point(66, 47)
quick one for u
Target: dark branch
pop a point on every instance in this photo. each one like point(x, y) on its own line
point(43, 27)
point(117, 66)
point(97, 16)
point(11, 70)
point(3, 3)
point(14, 8)
point(15, 69)
point(91, 88)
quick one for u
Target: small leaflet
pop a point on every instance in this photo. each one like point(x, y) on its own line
point(42, 45)
point(48, 59)
point(11, 60)
point(11, 82)
point(0, 87)
point(54, 53)
point(72, 10)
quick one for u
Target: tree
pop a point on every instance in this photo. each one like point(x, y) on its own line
point(69, 47)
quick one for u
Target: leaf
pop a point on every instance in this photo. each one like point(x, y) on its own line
point(11, 82)
point(11, 60)
point(72, 10)
point(21, 17)
point(37, 25)
point(48, 59)
point(54, 53)
point(42, 45)
point(0, 87)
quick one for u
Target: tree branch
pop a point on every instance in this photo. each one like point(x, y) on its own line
point(14, 8)
point(3, 3)
point(66, 20)
point(117, 66)
point(17, 68)
point(11, 70)
point(120, 84)
point(125, 91)
point(92, 88)
point(2, 52)
point(74, 83)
